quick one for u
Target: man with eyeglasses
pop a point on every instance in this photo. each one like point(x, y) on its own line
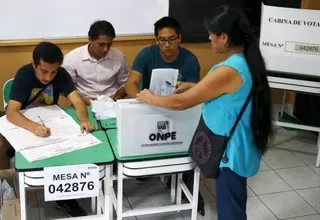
point(167, 53)
point(97, 68)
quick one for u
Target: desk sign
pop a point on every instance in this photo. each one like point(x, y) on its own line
point(71, 182)
point(289, 39)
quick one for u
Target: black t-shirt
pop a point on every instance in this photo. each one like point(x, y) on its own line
point(26, 85)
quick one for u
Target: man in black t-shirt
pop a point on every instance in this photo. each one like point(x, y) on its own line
point(41, 83)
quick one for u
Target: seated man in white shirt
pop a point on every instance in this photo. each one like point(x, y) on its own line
point(96, 68)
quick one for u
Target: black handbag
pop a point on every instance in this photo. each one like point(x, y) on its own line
point(208, 149)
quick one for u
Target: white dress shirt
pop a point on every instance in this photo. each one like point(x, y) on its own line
point(93, 78)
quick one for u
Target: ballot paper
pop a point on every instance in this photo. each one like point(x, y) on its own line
point(163, 81)
point(65, 134)
point(103, 107)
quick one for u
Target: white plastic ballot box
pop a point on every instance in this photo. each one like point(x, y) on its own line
point(143, 129)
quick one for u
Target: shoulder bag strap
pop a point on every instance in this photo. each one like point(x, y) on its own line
point(241, 113)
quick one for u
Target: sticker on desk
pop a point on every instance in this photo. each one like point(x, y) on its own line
point(71, 182)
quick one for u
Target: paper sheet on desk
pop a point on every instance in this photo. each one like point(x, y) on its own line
point(163, 81)
point(65, 134)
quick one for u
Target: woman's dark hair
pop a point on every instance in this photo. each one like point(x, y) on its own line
point(233, 23)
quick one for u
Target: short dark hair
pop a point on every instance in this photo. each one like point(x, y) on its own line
point(99, 28)
point(167, 22)
point(47, 52)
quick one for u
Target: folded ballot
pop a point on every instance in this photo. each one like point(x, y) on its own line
point(143, 129)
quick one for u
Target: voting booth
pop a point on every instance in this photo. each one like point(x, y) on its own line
point(143, 129)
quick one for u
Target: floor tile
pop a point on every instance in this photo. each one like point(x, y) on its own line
point(256, 210)
point(287, 205)
point(211, 184)
point(300, 177)
point(206, 193)
point(148, 195)
point(264, 166)
point(309, 217)
point(308, 158)
point(210, 209)
point(278, 159)
point(267, 182)
point(315, 169)
point(32, 209)
point(302, 142)
point(312, 196)
point(250, 192)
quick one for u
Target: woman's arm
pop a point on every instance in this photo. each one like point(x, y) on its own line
point(222, 80)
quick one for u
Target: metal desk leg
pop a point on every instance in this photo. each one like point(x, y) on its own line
point(107, 192)
point(22, 194)
point(318, 147)
point(196, 183)
point(173, 187)
point(99, 206)
point(93, 204)
point(179, 190)
point(120, 191)
point(110, 179)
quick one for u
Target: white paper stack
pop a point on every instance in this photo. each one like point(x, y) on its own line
point(104, 108)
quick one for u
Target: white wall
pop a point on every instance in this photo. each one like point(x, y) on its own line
point(28, 19)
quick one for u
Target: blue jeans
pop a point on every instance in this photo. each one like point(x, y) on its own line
point(231, 195)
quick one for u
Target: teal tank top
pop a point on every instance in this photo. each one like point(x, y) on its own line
point(220, 114)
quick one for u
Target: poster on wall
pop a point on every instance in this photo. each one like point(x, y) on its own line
point(289, 40)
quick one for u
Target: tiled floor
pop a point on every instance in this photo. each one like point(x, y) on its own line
point(286, 187)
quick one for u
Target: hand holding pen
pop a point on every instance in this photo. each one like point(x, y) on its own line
point(41, 130)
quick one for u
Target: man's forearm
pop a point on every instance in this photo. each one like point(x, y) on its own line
point(81, 111)
point(132, 90)
point(20, 120)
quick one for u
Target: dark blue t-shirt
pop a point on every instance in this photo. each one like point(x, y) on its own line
point(26, 86)
point(150, 58)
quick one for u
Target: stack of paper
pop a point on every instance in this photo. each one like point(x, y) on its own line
point(104, 108)
point(65, 134)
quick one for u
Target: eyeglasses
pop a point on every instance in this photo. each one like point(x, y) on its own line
point(170, 40)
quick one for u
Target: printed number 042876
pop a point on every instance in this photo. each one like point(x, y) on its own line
point(68, 187)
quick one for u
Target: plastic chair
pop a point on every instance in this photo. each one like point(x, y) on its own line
point(6, 92)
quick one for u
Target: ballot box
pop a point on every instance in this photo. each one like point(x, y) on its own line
point(143, 129)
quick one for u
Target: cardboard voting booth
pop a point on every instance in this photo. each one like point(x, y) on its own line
point(145, 129)
point(289, 40)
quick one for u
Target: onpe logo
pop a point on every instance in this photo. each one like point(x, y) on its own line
point(163, 132)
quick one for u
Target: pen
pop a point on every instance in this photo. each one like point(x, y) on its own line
point(41, 121)
point(169, 84)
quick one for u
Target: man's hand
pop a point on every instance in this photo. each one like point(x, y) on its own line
point(119, 94)
point(86, 126)
point(41, 131)
point(183, 86)
point(88, 99)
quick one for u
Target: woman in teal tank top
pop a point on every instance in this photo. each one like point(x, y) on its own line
point(223, 92)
